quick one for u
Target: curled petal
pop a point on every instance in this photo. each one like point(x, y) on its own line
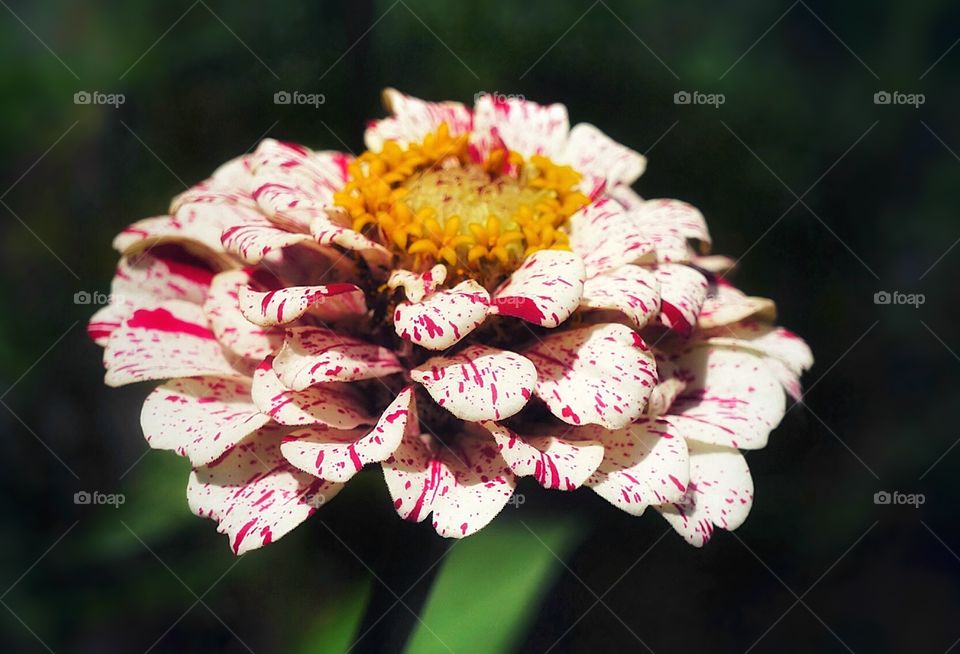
point(312, 355)
point(333, 404)
point(726, 304)
point(255, 495)
point(605, 237)
point(228, 324)
point(170, 340)
point(464, 486)
point(720, 494)
point(682, 292)
point(196, 227)
point(282, 306)
point(478, 383)
point(663, 395)
point(595, 375)
point(445, 317)
point(414, 118)
point(556, 462)
point(145, 279)
point(645, 463)
point(731, 398)
point(523, 126)
point(416, 287)
point(254, 240)
point(337, 455)
point(632, 290)
point(545, 290)
point(592, 152)
point(200, 417)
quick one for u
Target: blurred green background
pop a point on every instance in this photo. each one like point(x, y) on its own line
point(817, 567)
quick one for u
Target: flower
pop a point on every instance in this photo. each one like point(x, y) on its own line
point(477, 297)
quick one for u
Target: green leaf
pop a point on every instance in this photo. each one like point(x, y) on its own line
point(491, 585)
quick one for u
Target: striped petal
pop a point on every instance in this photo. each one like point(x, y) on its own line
point(556, 462)
point(592, 152)
point(337, 455)
point(682, 292)
point(478, 383)
point(312, 355)
point(464, 486)
point(720, 494)
point(525, 127)
point(605, 237)
point(200, 417)
point(645, 463)
point(731, 398)
point(171, 340)
point(254, 240)
point(631, 290)
point(671, 224)
point(726, 304)
point(228, 324)
point(329, 303)
point(444, 318)
point(545, 290)
point(413, 119)
point(595, 375)
point(332, 404)
point(255, 495)
point(417, 286)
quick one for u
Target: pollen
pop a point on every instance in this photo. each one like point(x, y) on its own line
point(437, 201)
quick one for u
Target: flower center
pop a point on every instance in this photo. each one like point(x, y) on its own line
point(434, 202)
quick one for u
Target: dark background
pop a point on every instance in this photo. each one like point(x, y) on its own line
point(799, 113)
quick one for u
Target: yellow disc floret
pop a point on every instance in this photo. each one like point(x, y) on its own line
point(431, 202)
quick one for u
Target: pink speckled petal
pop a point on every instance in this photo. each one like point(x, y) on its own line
point(465, 487)
point(312, 355)
point(337, 455)
point(545, 290)
point(282, 306)
point(418, 286)
point(785, 353)
point(413, 119)
point(671, 224)
point(595, 375)
point(720, 494)
point(228, 324)
point(333, 404)
point(606, 237)
point(171, 340)
point(682, 292)
point(255, 495)
point(200, 417)
point(663, 395)
point(255, 239)
point(592, 152)
point(632, 290)
point(726, 304)
point(478, 383)
point(444, 318)
point(522, 126)
point(145, 279)
point(645, 463)
point(556, 462)
point(731, 398)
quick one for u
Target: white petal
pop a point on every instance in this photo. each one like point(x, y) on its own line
point(591, 151)
point(279, 307)
point(479, 383)
point(443, 318)
point(525, 127)
point(556, 462)
point(632, 290)
point(682, 292)
point(606, 237)
point(228, 324)
point(545, 290)
point(312, 355)
point(417, 286)
point(595, 375)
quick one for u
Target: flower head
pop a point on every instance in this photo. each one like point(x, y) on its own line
point(477, 297)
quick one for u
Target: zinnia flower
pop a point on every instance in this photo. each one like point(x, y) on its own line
point(478, 297)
